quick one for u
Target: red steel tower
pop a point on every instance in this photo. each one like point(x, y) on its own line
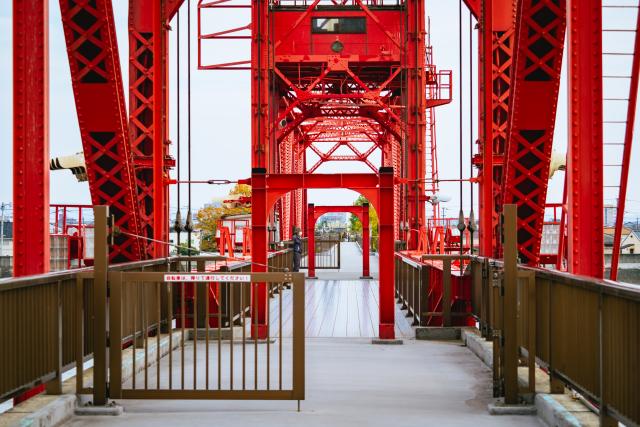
point(337, 81)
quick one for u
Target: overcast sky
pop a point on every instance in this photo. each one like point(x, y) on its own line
point(221, 104)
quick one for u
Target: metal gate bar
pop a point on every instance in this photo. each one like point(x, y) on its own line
point(327, 253)
point(161, 385)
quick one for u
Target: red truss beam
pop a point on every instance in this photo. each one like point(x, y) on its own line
point(97, 85)
point(539, 45)
point(30, 137)
point(498, 29)
point(147, 83)
point(584, 159)
point(324, 116)
point(290, 161)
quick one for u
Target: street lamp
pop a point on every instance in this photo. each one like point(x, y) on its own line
point(3, 206)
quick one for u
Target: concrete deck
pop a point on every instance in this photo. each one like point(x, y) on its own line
point(350, 383)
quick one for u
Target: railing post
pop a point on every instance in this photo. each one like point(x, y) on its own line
point(101, 266)
point(55, 386)
point(446, 294)
point(202, 294)
point(485, 280)
point(115, 336)
point(531, 308)
point(311, 241)
point(424, 295)
point(510, 331)
point(556, 386)
point(366, 244)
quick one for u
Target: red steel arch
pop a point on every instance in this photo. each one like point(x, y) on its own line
point(377, 188)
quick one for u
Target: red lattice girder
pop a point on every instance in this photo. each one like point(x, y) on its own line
point(95, 73)
point(143, 38)
point(498, 32)
point(540, 31)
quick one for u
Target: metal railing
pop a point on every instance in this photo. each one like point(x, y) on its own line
point(582, 331)
point(40, 318)
point(37, 327)
point(204, 365)
point(432, 289)
point(327, 254)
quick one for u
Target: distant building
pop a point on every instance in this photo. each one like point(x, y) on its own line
point(610, 212)
point(629, 241)
point(7, 229)
point(333, 221)
point(195, 241)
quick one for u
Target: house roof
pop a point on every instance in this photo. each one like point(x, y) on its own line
point(611, 230)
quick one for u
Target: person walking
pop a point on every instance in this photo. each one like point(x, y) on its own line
point(297, 250)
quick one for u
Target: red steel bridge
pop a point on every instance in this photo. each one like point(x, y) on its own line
point(330, 77)
point(326, 76)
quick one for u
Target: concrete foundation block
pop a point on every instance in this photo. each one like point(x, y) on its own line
point(54, 413)
point(554, 414)
point(498, 407)
point(437, 333)
point(478, 345)
point(108, 410)
point(386, 341)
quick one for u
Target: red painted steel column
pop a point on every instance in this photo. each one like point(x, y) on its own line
point(366, 244)
point(31, 137)
point(260, 163)
point(160, 205)
point(416, 120)
point(311, 240)
point(386, 251)
point(259, 255)
point(584, 159)
point(485, 218)
point(260, 84)
point(626, 155)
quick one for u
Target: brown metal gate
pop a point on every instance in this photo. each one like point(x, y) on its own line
point(327, 255)
point(207, 351)
point(217, 360)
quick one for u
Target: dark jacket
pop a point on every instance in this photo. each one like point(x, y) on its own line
point(297, 244)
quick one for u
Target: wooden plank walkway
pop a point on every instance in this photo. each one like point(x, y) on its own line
point(338, 308)
point(340, 305)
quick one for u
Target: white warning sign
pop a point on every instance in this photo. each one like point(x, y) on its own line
point(186, 277)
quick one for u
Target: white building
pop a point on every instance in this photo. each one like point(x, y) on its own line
point(629, 242)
